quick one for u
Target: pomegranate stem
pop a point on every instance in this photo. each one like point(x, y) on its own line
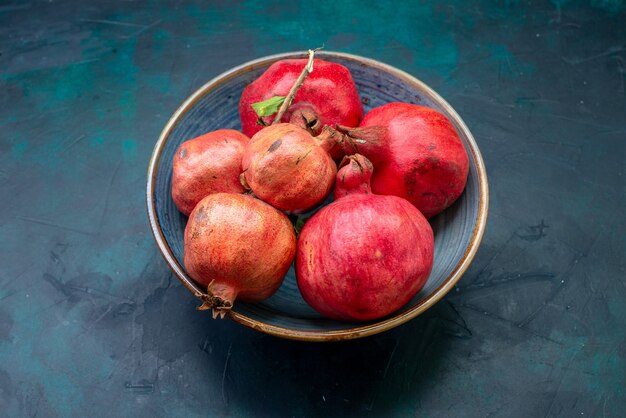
point(308, 69)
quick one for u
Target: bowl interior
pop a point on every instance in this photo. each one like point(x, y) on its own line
point(215, 107)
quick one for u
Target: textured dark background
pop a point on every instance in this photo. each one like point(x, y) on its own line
point(92, 322)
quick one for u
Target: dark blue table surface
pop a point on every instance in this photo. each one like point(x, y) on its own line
point(92, 322)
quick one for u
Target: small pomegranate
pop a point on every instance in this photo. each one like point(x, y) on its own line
point(417, 153)
point(210, 163)
point(288, 168)
point(239, 248)
point(363, 256)
point(327, 97)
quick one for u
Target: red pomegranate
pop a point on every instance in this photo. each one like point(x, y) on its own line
point(327, 97)
point(363, 256)
point(417, 153)
point(288, 168)
point(238, 247)
point(210, 163)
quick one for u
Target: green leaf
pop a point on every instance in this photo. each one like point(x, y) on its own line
point(300, 221)
point(268, 107)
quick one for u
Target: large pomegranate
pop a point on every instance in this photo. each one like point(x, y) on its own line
point(238, 247)
point(288, 168)
point(417, 153)
point(210, 163)
point(327, 97)
point(363, 256)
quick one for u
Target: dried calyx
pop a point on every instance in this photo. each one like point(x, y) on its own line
point(218, 298)
point(308, 119)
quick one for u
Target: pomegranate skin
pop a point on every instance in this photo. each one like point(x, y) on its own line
point(288, 168)
point(421, 159)
point(328, 91)
point(208, 164)
point(237, 247)
point(363, 256)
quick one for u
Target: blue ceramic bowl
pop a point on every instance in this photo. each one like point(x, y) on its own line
point(458, 230)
